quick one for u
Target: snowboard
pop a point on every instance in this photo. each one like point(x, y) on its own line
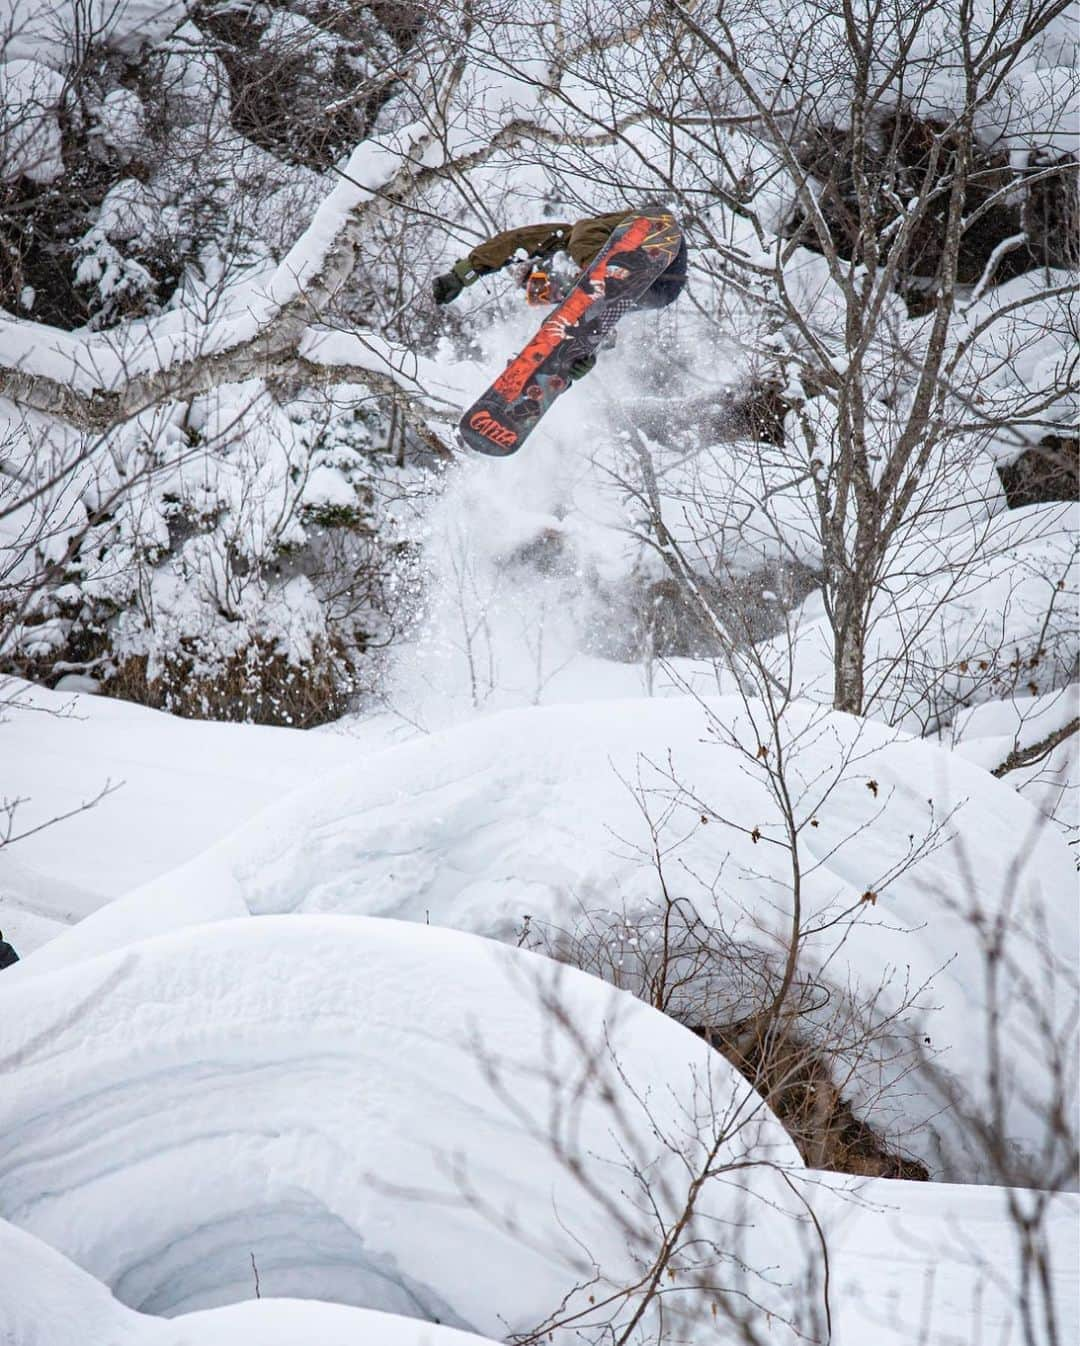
point(637, 252)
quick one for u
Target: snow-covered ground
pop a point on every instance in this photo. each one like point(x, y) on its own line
point(537, 818)
point(230, 1067)
point(390, 1117)
point(954, 1246)
point(908, 1262)
point(174, 787)
point(516, 808)
point(383, 1114)
point(919, 1262)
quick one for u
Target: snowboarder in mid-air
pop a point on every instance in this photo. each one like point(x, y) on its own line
point(631, 259)
point(538, 243)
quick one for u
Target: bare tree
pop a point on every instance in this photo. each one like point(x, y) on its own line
point(859, 229)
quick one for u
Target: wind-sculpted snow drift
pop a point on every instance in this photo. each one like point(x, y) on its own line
point(57, 1304)
point(906, 852)
point(374, 1114)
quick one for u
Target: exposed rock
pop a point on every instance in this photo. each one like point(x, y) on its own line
point(1049, 470)
point(1040, 218)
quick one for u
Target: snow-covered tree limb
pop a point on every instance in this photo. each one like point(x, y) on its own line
point(1036, 752)
point(98, 380)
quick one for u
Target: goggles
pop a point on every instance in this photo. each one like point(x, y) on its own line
point(541, 288)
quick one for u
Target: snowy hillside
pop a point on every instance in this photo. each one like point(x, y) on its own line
point(527, 826)
point(621, 892)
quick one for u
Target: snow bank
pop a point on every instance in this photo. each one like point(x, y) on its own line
point(58, 1304)
point(181, 785)
point(804, 46)
point(979, 614)
point(530, 817)
point(939, 1264)
point(376, 1111)
point(904, 1257)
point(1021, 358)
point(991, 733)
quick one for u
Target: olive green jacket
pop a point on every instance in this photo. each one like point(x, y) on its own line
point(582, 241)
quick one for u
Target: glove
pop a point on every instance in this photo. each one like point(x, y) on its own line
point(581, 367)
point(445, 289)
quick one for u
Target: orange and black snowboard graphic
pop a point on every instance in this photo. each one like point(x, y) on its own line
point(637, 252)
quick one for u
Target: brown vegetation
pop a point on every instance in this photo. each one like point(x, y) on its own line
point(258, 685)
point(796, 1082)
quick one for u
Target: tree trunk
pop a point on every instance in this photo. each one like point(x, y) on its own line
point(849, 630)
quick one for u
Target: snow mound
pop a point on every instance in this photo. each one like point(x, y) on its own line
point(1028, 731)
point(60, 1305)
point(176, 786)
point(537, 818)
point(387, 1116)
point(923, 1262)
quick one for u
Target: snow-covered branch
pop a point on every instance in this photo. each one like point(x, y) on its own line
point(261, 329)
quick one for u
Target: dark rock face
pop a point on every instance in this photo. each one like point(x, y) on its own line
point(1049, 470)
point(307, 95)
point(303, 80)
point(1036, 222)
